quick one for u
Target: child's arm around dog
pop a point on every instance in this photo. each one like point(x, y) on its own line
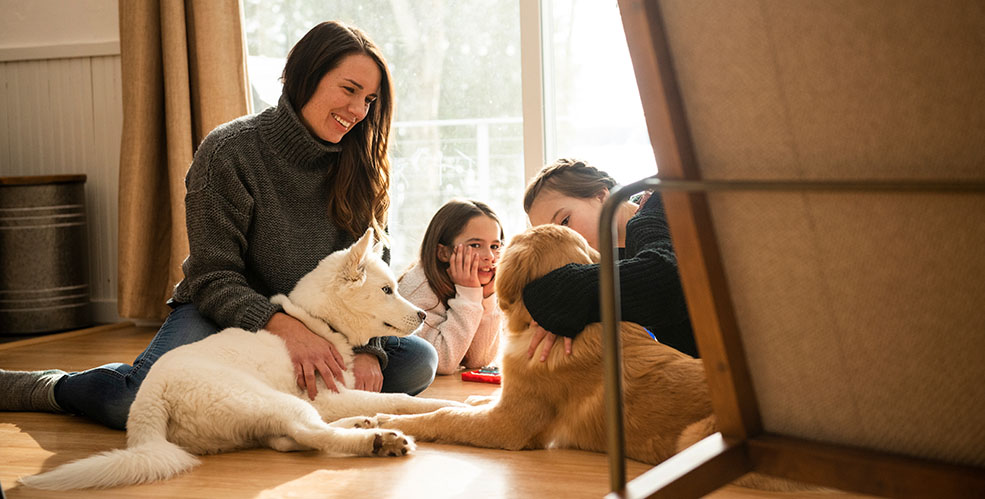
point(571, 193)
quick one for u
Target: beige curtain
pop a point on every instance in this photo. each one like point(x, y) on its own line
point(184, 73)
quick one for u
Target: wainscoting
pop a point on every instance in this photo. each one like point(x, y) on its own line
point(61, 112)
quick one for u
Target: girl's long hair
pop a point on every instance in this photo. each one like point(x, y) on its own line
point(361, 182)
point(447, 224)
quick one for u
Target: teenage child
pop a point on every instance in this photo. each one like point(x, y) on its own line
point(454, 282)
point(571, 193)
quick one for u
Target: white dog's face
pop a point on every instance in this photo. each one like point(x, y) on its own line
point(355, 291)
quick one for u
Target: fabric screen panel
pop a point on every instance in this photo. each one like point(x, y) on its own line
point(861, 313)
point(861, 316)
point(834, 89)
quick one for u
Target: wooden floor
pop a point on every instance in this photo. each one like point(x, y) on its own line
point(33, 442)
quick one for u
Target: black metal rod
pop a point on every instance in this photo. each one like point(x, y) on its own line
point(956, 186)
point(611, 348)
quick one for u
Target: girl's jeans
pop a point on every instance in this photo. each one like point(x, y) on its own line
point(105, 393)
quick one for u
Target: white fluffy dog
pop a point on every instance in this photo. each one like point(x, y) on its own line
point(237, 389)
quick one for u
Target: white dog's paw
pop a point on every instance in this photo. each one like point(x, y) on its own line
point(392, 443)
point(364, 422)
point(383, 419)
point(479, 399)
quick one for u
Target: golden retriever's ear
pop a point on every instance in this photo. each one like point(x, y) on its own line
point(513, 272)
point(517, 317)
point(510, 279)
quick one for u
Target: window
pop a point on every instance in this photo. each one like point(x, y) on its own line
point(597, 115)
point(456, 68)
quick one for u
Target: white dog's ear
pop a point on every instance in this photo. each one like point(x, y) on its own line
point(378, 248)
point(353, 269)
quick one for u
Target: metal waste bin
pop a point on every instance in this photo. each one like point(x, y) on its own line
point(44, 263)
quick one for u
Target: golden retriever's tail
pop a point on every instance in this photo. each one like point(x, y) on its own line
point(148, 457)
point(695, 432)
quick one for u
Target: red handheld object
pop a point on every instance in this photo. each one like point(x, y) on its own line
point(482, 377)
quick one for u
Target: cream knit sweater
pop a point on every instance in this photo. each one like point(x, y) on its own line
point(465, 333)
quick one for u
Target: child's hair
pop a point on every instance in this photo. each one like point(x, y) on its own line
point(447, 224)
point(570, 177)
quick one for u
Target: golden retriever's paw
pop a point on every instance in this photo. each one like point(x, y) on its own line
point(474, 400)
point(392, 443)
point(364, 422)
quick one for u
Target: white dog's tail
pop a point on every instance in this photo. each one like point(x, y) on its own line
point(148, 457)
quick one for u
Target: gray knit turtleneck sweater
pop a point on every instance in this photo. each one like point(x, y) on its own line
point(257, 216)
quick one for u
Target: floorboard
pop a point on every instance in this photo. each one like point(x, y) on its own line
point(33, 442)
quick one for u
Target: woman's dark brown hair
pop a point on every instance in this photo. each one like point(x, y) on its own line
point(569, 177)
point(361, 185)
point(447, 224)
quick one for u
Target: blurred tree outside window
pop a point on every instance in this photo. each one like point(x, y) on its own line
point(458, 128)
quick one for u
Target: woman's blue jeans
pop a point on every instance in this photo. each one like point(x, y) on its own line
point(105, 393)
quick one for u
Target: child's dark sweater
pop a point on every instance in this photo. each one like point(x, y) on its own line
point(567, 299)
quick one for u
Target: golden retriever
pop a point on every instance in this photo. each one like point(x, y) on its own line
point(559, 403)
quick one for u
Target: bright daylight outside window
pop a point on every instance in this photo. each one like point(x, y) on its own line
point(456, 69)
point(594, 110)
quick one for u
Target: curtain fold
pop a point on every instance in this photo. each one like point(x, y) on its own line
point(184, 73)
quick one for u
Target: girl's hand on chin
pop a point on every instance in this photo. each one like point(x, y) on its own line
point(463, 267)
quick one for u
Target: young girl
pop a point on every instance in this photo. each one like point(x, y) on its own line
point(454, 283)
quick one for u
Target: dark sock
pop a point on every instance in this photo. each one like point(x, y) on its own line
point(29, 390)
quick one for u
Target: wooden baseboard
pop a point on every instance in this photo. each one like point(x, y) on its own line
point(868, 472)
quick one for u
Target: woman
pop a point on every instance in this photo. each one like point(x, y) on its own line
point(571, 193)
point(268, 196)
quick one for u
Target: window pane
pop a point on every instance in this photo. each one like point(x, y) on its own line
point(456, 70)
point(596, 106)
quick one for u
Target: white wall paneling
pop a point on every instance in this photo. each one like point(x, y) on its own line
point(64, 116)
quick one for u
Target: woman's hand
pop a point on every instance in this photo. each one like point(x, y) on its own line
point(309, 352)
point(542, 335)
point(366, 370)
point(463, 267)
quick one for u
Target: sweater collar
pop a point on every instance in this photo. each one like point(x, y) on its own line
point(282, 128)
